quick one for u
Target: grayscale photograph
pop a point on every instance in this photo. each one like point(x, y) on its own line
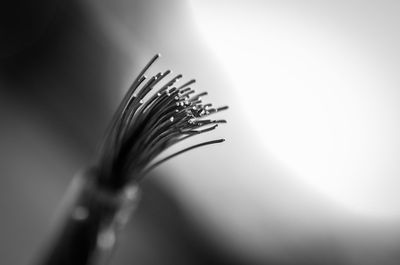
point(199, 132)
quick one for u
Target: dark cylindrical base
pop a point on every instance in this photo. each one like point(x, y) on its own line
point(87, 229)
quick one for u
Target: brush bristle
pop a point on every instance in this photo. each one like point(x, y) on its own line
point(146, 124)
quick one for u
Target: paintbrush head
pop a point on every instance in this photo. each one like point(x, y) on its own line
point(147, 123)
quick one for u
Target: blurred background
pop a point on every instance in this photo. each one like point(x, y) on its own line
point(310, 170)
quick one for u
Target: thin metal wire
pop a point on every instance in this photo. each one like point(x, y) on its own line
point(147, 123)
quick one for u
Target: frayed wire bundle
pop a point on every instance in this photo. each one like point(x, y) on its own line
point(101, 199)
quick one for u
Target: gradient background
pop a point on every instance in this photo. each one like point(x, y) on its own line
point(309, 171)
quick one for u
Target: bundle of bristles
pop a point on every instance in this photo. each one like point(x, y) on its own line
point(146, 124)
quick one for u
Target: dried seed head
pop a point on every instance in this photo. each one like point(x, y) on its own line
point(144, 127)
